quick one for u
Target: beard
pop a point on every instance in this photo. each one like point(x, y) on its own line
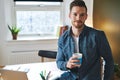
point(78, 24)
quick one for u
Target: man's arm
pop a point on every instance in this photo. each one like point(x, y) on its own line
point(105, 52)
point(60, 59)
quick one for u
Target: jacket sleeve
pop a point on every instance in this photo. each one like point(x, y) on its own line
point(60, 60)
point(105, 52)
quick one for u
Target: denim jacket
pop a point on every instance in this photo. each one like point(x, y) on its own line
point(93, 45)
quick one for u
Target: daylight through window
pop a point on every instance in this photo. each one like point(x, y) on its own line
point(42, 20)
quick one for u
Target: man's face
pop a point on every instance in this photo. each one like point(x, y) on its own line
point(78, 15)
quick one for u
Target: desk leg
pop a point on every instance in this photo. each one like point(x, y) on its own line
point(42, 59)
point(0, 73)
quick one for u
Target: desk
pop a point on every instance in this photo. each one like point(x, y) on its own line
point(34, 69)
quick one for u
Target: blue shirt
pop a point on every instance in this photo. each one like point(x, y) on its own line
point(93, 45)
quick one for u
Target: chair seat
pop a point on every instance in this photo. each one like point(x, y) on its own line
point(47, 54)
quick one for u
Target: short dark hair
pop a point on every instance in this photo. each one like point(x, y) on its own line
point(79, 3)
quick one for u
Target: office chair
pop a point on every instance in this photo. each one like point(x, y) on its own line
point(47, 54)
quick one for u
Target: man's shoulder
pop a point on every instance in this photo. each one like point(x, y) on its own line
point(65, 35)
point(93, 30)
point(97, 33)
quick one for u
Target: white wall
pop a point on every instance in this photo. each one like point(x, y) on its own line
point(7, 47)
point(89, 4)
point(26, 51)
point(3, 31)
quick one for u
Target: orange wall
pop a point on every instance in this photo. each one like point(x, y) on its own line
point(106, 16)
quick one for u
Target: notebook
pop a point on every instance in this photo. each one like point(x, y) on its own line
point(13, 75)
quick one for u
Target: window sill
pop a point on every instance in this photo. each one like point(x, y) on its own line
point(34, 38)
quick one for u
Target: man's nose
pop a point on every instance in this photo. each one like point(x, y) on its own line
point(78, 17)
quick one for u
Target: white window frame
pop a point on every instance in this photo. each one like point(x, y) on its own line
point(37, 8)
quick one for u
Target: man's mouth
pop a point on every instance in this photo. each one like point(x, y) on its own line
point(78, 21)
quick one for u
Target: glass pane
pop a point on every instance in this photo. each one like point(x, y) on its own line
point(38, 22)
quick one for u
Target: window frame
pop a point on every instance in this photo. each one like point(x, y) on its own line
point(37, 8)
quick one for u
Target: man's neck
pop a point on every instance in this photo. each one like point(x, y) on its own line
point(76, 31)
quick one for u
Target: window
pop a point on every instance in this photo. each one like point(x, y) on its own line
point(38, 18)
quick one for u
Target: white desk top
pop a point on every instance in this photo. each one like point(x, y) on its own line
point(33, 69)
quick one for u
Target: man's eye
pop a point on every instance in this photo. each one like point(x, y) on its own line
point(81, 15)
point(75, 14)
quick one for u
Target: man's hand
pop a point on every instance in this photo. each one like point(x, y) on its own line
point(72, 62)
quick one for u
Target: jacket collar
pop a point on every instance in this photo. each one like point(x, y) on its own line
point(82, 33)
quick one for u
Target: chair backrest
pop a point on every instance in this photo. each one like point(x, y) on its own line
point(47, 54)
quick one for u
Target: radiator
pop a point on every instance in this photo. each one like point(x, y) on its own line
point(26, 56)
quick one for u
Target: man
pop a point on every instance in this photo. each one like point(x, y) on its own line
point(90, 42)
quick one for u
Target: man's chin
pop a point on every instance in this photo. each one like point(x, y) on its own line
point(79, 26)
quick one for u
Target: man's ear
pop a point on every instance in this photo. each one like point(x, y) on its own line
point(86, 16)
